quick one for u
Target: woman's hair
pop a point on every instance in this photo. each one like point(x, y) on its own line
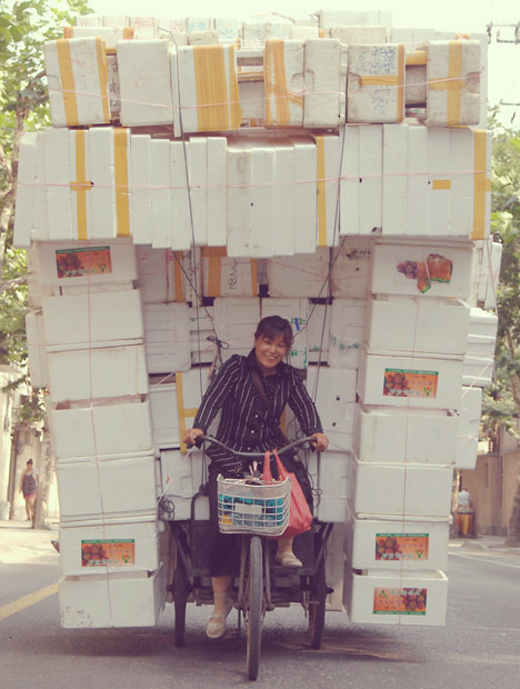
point(271, 326)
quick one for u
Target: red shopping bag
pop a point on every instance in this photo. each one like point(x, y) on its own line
point(300, 519)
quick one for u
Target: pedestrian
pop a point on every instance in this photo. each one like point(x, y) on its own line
point(464, 513)
point(251, 392)
point(29, 489)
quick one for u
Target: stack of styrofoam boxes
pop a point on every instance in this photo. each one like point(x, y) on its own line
point(406, 437)
point(91, 357)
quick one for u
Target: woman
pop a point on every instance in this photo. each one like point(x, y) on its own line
point(250, 424)
point(28, 487)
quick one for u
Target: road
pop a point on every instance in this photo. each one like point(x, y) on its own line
point(479, 646)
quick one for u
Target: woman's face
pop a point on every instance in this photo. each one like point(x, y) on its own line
point(269, 352)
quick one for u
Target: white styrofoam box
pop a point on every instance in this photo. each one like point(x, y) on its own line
point(361, 187)
point(387, 597)
point(254, 33)
point(156, 275)
point(411, 490)
point(36, 349)
point(105, 372)
point(92, 320)
point(145, 27)
point(40, 229)
point(227, 29)
point(182, 475)
point(228, 277)
point(106, 20)
point(351, 269)
point(334, 391)
point(239, 199)
point(411, 324)
point(296, 311)
point(305, 198)
point(58, 178)
point(93, 20)
point(436, 270)
point(109, 34)
point(102, 601)
point(300, 275)
point(416, 92)
point(262, 201)
point(235, 323)
point(161, 208)
point(181, 238)
point(323, 103)
point(109, 487)
point(202, 109)
point(251, 93)
point(355, 19)
point(478, 371)
point(413, 39)
point(217, 191)
point(283, 82)
point(197, 24)
point(376, 83)
point(77, 74)
point(285, 227)
point(483, 324)
point(165, 416)
point(328, 174)
point(331, 504)
point(147, 99)
point(140, 189)
point(203, 38)
point(203, 350)
point(393, 544)
point(410, 381)
point(319, 333)
point(334, 569)
point(382, 434)
point(178, 36)
point(486, 271)
point(188, 275)
point(347, 332)
point(198, 181)
point(453, 83)
point(25, 190)
point(167, 337)
point(359, 35)
point(121, 546)
point(468, 424)
point(190, 387)
point(110, 429)
point(304, 33)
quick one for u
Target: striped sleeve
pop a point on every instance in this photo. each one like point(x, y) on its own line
point(305, 410)
point(221, 386)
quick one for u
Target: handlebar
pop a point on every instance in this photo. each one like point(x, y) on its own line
point(251, 455)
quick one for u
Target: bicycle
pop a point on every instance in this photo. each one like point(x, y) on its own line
point(262, 585)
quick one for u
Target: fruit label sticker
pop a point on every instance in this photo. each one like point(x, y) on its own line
point(391, 546)
point(404, 383)
point(72, 263)
point(399, 601)
point(108, 553)
point(435, 268)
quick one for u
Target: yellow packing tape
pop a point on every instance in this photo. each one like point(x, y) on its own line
point(392, 80)
point(67, 82)
point(177, 276)
point(218, 107)
point(214, 256)
point(441, 184)
point(121, 182)
point(453, 83)
point(275, 85)
point(481, 185)
point(81, 185)
point(183, 412)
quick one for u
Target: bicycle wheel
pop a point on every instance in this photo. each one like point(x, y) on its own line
point(181, 590)
point(318, 595)
point(253, 610)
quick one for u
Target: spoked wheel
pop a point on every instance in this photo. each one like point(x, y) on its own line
point(181, 590)
point(253, 611)
point(317, 606)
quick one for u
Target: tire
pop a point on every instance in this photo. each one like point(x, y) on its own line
point(181, 590)
point(317, 606)
point(254, 607)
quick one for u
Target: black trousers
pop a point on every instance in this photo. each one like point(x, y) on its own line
point(225, 548)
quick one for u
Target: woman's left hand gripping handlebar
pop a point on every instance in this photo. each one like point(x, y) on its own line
point(192, 435)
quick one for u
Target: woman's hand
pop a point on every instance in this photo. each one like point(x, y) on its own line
point(192, 435)
point(320, 441)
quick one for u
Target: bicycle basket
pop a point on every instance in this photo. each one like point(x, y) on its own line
point(253, 508)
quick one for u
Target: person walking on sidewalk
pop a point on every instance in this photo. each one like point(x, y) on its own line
point(29, 488)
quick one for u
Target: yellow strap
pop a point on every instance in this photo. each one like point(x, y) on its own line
point(481, 186)
point(275, 84)
point(254, 277)
point(67, 82)
point(183, 412)
point(68, 32)
point(128, 32)
point(382, 80)
point(81, 185)
point(217, 109)
point(234, 94)
point(121, 182)
point(103, 77)
point(214, 254)
point(453, 84)
point(441, 184)
point(418, 57)
point(321, 191)
point(177, 276)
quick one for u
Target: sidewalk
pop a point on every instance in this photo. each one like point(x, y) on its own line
point(19, 543)
point(484, 543)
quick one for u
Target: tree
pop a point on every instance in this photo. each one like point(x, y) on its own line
point(501, 404)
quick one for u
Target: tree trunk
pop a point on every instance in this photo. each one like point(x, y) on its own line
point(513, 532)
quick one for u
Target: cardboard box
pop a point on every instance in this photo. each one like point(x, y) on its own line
point(410, 381)
point(77, 74)
point(148, 99)
point(107, 430)
point(401, 490)
point(102, 601)
point(376, 83)
point(390, 598)
point(382, 434)
point(167, 337)
point(393, 545)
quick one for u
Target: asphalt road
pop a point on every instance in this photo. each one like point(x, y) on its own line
point(478, 647)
